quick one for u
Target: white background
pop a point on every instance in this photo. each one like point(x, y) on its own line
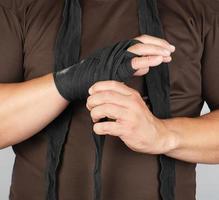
point(207, 176)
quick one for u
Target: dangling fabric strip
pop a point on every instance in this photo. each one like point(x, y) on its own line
point(99, 143)
point(115, 65)
point(157, 82)
point(67, 53)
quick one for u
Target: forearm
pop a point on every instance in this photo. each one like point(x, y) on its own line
point(196, 139)
point(26, 108)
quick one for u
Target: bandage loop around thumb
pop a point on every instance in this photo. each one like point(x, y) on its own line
point(110, 63)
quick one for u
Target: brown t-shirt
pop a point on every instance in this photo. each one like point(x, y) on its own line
point(28, 29)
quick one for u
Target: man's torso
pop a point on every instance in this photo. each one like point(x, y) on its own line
point(126, 175)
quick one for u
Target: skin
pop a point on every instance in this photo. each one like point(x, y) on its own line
point(29, 106)
point(189, 139)
point(193, 140)
point(37, 102)
point(141, 131)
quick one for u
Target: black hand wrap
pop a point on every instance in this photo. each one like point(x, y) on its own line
point(110, 63)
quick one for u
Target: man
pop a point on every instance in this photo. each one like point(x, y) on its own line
point(130, 168)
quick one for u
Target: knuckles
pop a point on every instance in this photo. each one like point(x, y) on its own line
point(101, 111)
point(93, 113)
point(135, 95)
point(143, 38)
point(114, 83)
point(138, 46)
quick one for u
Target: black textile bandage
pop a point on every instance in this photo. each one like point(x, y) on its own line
point(67, 54)
point(110, 63)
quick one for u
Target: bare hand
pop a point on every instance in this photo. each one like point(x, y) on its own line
point(139, 129)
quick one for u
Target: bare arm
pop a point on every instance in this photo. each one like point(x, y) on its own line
point(26, 108)
point(196, 139)
point(189, 139)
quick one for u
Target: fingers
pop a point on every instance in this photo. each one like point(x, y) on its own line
point(108, 128)
point(147, 39)
point(149, 50)
point(142, 64)
point(141, 72)
point(153, 52)
point(146, 62)
point(108, 110)
point(108, 97)
point(167, 59)
point(111, 85)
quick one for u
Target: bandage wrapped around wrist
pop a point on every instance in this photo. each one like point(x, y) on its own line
point(110, 63)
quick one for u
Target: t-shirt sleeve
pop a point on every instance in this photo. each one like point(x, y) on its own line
point(210, 65)
point(11, 53)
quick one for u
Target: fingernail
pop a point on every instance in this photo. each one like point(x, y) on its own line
point(90, 91)
point(169, 59)
point(173, 48)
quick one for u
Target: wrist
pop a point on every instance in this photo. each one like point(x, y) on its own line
point(171, 140)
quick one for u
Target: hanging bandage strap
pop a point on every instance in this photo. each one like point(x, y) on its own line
point(68, 38)
point(157, 83)
point(112, 63)
point(73, 79)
